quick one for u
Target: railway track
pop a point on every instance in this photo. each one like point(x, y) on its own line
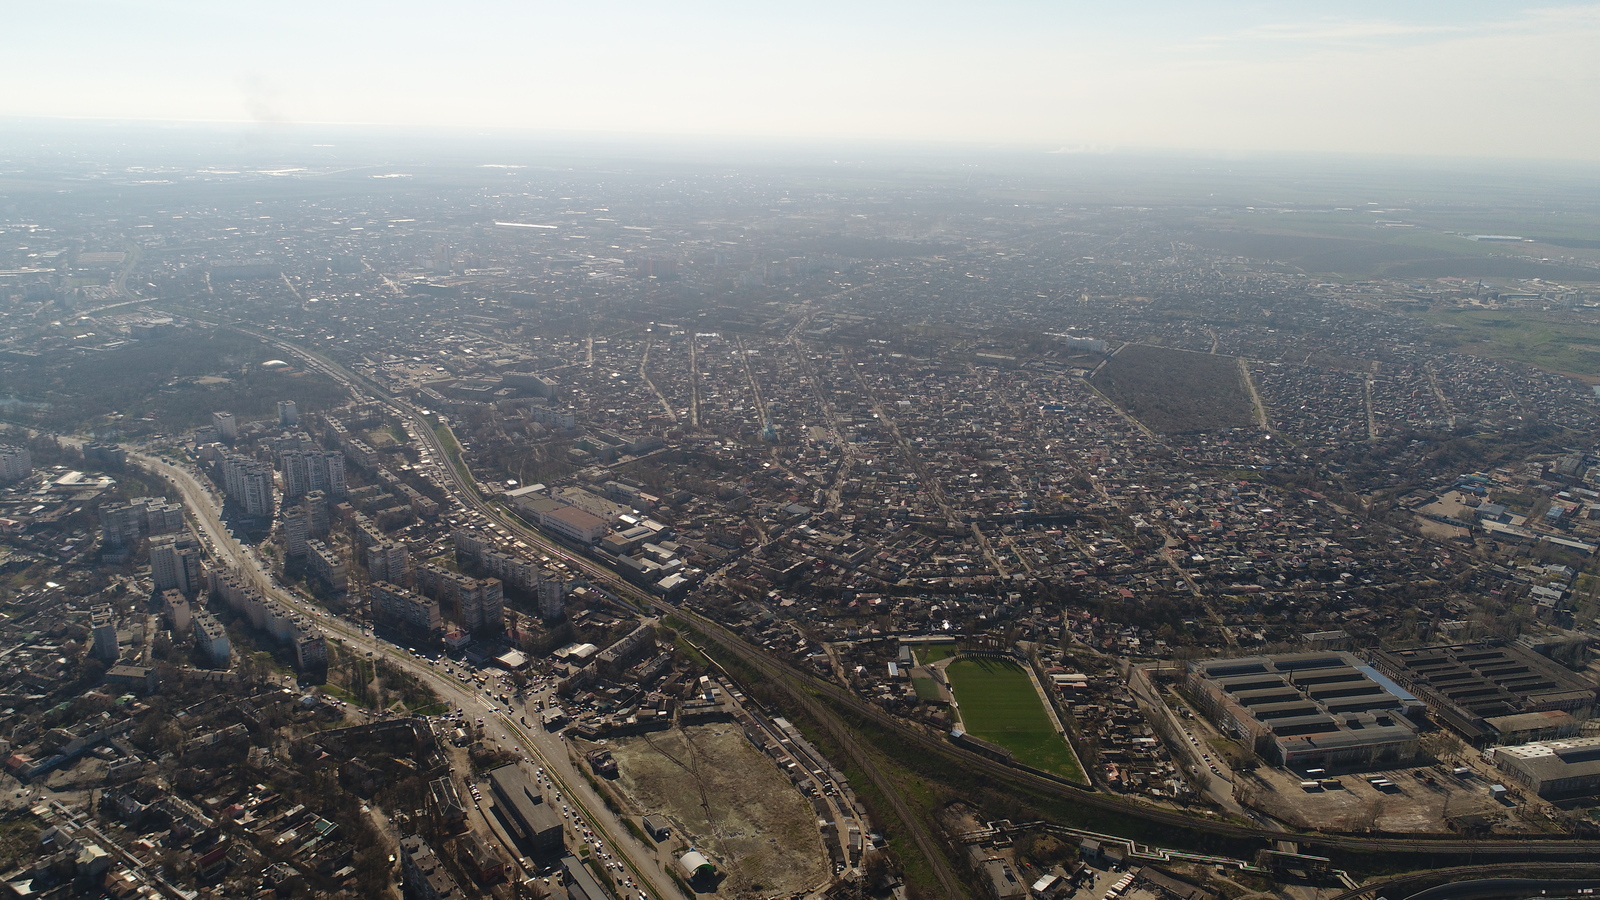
point(807, 690)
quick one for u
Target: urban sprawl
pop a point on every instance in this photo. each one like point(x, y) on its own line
point(524, 532)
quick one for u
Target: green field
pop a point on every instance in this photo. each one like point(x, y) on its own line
point(1555, 341)
point(930, 655)
point(999, 705)
point(927, 690)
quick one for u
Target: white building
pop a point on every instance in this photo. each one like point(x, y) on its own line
point(175, 563)
point(15, 462)
point(212, 639)
point(227, 426)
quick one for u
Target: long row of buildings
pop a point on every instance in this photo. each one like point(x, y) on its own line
point(1332, 709)
point(286, 626)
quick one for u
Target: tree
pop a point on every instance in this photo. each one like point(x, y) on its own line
point(1442, 744)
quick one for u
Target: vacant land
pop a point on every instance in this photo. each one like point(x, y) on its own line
point(731, 802)
point(1174, 392)
point(1556, 342)
point(999, 705)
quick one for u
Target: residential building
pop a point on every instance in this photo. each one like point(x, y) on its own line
point(175, 563)
point(424, 877)
point(388, 561)
point(103, 626)
point(397, 608)
point(248, 484)
point(305, 471)
point(227, 426)
point(325, 565)
point(212, 639)
point(475, 604)
point(296, 532)
point(15, 462)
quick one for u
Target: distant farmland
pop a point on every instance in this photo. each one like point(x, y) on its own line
point(999, 705)
point(1174, 392)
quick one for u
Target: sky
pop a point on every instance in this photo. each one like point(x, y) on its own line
point(1459, 78)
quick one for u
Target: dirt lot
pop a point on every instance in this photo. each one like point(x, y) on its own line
point(1413, 805)
point(1451, 505)
point(731, 802)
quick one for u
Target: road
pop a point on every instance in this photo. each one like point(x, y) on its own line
point(642, 863)
point(809, 691)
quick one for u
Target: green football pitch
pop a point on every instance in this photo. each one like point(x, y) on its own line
point(999, 705)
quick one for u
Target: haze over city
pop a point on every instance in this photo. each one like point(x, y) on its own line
point(1512, 80)
point(707, 451)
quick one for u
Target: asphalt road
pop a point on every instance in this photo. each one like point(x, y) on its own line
point(642, 864)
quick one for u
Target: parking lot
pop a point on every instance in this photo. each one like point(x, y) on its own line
point(1422, 799)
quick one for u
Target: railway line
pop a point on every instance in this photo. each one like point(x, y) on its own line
point(810, 691)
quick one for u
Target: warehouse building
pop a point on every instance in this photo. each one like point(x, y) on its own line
point(1552, 769)
point(1309, 710)
point(1474, 687)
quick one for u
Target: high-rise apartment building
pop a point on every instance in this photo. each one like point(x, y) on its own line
point(305, 471)
point(388, 561)
point(227, 426)
point(248, 483)
point(15, 462)
point(296, 531)
point(212, 639)
point(175, 563)
point(103, 625)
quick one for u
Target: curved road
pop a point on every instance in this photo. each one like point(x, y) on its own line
point(642, 862)
point(799, 683)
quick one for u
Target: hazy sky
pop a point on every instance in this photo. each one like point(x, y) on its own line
point(1458, 78)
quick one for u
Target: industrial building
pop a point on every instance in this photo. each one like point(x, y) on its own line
point(694, 864)
point(1305, 710)
point(1473, 687)
point(1565, 768)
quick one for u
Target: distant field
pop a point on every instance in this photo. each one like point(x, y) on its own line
point(1550, 341)
point(1353, 252)
point(999, 705)
point(1175, 392)
point(935, 653)
point(1351, 244)
point(1490, 267)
